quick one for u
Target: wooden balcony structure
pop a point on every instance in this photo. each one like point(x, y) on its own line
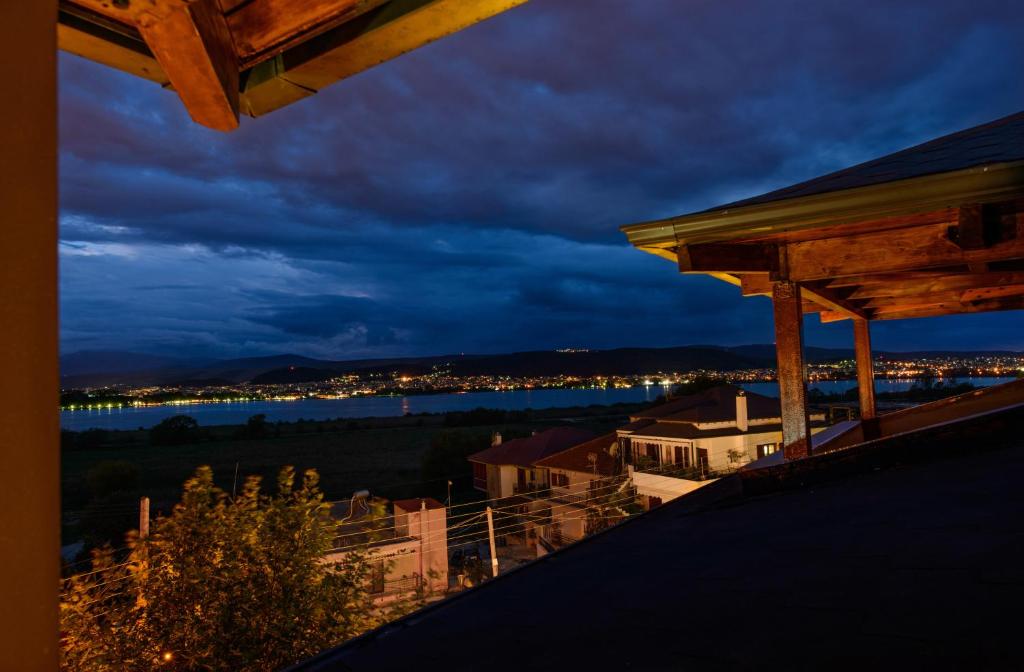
point(226, 57)
point(936, 229)
point(223, 58)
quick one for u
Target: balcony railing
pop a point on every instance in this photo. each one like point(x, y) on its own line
point(529, 488)
point(405, 585)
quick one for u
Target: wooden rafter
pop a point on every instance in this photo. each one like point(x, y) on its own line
point(818, 298)
point(254, 56)
point(191, 41)
point(895, 287)
point(951, 308)
point(98, 39)
point(911, 249)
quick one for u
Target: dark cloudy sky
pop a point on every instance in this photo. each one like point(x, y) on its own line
point(467, 196)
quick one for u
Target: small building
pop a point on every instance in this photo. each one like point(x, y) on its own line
point(509, 468)
point(408, 549)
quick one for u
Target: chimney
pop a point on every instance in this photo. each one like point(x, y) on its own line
point(741, 411)
point(496, 439)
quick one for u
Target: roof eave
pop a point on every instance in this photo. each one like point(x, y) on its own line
point(979, 184)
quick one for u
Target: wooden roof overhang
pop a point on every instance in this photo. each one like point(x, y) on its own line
point(226, 57)
point(937, 244)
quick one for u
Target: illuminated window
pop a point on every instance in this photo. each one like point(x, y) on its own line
point(766, 449)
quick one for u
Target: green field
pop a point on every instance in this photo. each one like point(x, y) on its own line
point(382, 455)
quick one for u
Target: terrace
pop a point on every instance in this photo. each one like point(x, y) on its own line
point(936, 229)
point(881, 533)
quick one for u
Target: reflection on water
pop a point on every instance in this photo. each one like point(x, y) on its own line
point(231, 413)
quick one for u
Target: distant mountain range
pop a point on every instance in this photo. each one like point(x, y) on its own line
point(100, 368)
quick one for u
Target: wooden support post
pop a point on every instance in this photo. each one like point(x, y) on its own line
point(490, 534)
point(143, 517)
point(789, 349)
point(865, 368)
point(29, 416)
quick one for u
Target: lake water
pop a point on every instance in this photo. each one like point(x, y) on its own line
point(234, 413)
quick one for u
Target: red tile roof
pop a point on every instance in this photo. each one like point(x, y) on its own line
point(578, 458)
point(414, 504)
point(525, 452)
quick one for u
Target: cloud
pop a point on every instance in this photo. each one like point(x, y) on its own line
point(467, 196)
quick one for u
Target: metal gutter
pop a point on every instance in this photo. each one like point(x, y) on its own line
point(980, 184)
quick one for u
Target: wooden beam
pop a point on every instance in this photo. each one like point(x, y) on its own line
point(817, 299)
point(262, 29)
point(1007, 303)
point(381, 34)
point(970, 230)
point(827, 316)
point(910, 249)
point(951, 296)
point(890, 278)
point(88, 38)
point(192, 43)
point(265, 88)
point(865, 368)
point(789, 349)
point(899, 287)
point(755, 284)
point(728, 258)
point(833, 301)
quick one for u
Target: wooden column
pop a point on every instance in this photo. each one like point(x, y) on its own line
point(29, 420)
point(865, 368)
point(789, 349)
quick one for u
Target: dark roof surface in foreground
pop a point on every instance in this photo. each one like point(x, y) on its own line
point(913, 567)
point(999, 141)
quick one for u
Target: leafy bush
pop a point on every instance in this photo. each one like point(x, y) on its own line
point(221, 584)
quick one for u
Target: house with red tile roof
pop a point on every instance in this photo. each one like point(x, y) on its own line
point(565, 479)
point(509, 468)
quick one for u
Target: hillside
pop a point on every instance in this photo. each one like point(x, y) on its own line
point(110, 368)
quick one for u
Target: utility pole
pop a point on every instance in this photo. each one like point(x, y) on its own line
point(490, 533)
point(423, 512)
point(143, 517)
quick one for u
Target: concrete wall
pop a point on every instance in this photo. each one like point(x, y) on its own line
point(666, 488)
point(430, 527)
point(500, 481)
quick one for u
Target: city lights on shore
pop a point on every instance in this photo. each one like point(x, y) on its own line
point(441, 380)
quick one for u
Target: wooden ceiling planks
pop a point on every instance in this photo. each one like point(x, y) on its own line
point(930, 263)
point(933, 229)
point(255, 56)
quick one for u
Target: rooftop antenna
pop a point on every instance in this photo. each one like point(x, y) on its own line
point(361, 496)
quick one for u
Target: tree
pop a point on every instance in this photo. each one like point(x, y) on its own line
point(175, 430)
point(220, 584)
point(255, 427)
point(111, 476)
